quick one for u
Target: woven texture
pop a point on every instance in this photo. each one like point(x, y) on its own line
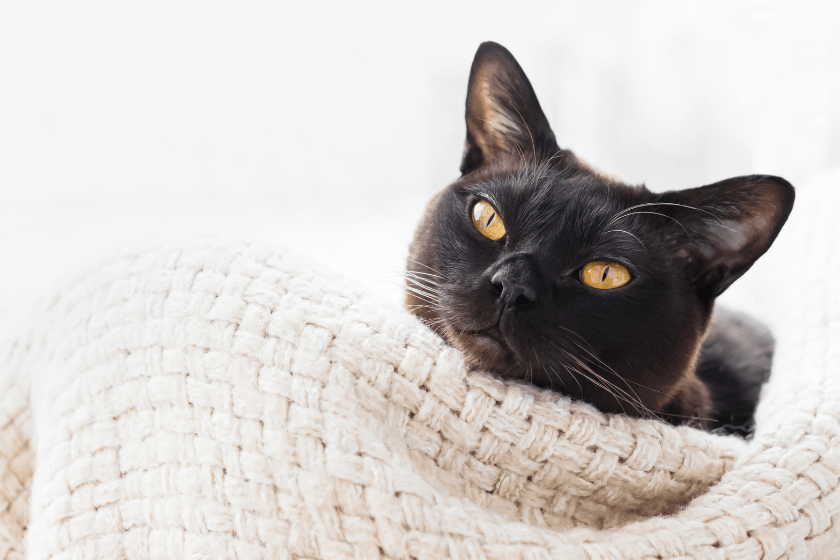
point(218, 400)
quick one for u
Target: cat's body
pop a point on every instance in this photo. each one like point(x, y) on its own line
point(734, 363)
point(536, 266)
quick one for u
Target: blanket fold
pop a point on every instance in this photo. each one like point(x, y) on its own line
point(225, 400)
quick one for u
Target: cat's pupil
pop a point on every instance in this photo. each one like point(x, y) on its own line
point(490, 220)
point(606, 271)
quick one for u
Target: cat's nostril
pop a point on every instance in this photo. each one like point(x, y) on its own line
point(498, 284)
point(510, 292)
point(510, 296)
point(522, 299)
point(521, 295)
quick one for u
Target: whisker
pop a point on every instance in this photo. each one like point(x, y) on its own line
point(628, 233)
point(647, 414)
point(690, 417)
point(591, 353)
point(437, 272)
point(550, 380)
point(629, 398)
point(422, 273)
point(408, 275)
point(613, 389)
point(422, 292)
point(518, 149)
point(430, 306)
point(557, 153)
point(428, 303)
point(424, 283)
point(561, 379)
point(431, 300)
point(617, 214)
point(606, 366)
point(656, 213)
point(615, 372)
point(557, 374)
point(594, 382)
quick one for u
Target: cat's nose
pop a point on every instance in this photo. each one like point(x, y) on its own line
point(514, 289)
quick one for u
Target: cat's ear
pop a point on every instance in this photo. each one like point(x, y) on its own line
point(504, 118)
point(720, 230)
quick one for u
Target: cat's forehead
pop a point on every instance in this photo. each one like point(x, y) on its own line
point(546, 194)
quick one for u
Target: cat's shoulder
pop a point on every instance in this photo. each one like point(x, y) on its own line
point(735, 361)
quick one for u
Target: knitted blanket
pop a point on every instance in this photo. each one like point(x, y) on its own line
point(222, 400)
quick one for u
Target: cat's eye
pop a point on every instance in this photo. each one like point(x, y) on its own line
point(604, 275)
point(487, 221)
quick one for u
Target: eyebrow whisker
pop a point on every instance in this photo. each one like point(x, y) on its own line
point(628, 233)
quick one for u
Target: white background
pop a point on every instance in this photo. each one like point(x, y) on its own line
point(326, 126)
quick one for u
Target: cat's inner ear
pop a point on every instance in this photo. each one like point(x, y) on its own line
point(720, 230)
point(504, 118)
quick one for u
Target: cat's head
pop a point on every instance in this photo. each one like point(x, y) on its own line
point(539, 267)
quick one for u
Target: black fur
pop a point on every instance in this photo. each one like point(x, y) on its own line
point(517, 306)
point(734, 363)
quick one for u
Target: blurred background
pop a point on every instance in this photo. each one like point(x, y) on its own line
point(325, 127)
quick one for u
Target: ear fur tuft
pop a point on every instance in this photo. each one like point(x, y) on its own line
point(504, 117)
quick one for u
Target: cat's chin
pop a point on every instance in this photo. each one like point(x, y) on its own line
point(484, 349)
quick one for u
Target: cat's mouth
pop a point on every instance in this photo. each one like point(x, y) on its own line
point(485, 348)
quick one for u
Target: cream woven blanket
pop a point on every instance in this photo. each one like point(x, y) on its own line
point(217, 400)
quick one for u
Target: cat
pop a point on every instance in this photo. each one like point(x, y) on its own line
point(539, 267)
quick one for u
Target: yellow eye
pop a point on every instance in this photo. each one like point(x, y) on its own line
point(604, 275)
point(487, 221)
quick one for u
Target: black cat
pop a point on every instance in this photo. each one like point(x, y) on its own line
point(539, 267)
